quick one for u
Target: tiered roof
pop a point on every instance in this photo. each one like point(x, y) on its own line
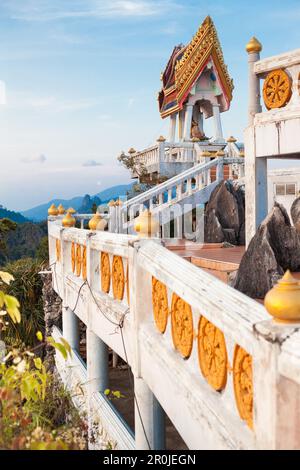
point(185, 66)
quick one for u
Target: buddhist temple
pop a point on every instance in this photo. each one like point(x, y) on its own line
point(195, 86)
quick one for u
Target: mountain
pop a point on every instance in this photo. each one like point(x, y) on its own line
point(23, 242)
point(40, 212)
point(14, 216)
point(88, 204)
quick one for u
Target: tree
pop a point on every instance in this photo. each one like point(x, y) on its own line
point(6, 225)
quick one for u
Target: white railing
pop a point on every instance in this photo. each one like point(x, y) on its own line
point(218, 366)
point(175, 190)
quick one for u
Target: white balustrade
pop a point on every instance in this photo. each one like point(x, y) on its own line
point(225, 374)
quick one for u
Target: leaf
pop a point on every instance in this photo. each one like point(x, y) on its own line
point(39, 335)
point(6, 277)
point(12, 307)
point(107, 391)
point(61, 349)
point(38, 363)
point(66, 345)
point(2, 295)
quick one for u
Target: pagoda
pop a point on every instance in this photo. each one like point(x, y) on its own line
point(196, 85)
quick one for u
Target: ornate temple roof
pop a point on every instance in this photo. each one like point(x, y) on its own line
point(186, 64)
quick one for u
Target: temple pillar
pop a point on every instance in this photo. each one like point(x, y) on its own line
point(253, 48)
point(70, 328)
point(149, 418)
point(172, 131)
point(217, 122)
point(200, 121)
point(97, 363)
point(188, 122)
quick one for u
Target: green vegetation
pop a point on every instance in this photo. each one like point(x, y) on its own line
point(27, 287)
point(35, 410)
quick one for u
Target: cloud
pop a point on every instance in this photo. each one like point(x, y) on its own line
point(39, 159)
point(52, 10)
point(89, 163)
point(25, 100)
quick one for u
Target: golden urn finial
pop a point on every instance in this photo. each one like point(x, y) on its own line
point(97, 222)
point(111, 203)
point(61, 209)
point(53, 210)
point(71, 210)
point(242, 153)
point(253, 46)
point(283, 301)
point(231, 139)
point(205, 153)
point(161, 139)
point(220, 153)
point(131, 151)
point(146, 225)
point(68, 220)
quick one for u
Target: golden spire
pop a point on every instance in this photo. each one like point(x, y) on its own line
point(71, 210)
point(283, 301)
point(68, 220)
point(97, 222)
point(53, 210)
point(61, 209)
point(253, 46)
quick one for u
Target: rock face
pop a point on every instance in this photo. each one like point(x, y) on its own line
point(52, 312)
point(225, 215)
point(274, 248)
point(295, 213)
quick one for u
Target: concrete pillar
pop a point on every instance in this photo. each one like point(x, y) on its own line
point(188, 122)
point(97, 363)
point(70, 328)
point(220, 169)
point(149, 419)
point(217, 123)
point(253, 48)
point(200, 121)
point(173, 120)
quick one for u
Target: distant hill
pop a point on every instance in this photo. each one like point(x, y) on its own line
point(24, 241)
point(14, 216)
point(40, 212)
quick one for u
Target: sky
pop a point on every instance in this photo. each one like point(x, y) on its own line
point(82, 76)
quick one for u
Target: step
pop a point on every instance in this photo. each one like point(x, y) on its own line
point(214, 258)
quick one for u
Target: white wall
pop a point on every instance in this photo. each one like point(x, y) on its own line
point(282, 176)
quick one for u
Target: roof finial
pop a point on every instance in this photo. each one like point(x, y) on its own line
point(253, 45)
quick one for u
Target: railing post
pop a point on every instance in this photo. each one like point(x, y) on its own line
point(220, 169)
point(276, 386)
point(149, 416)
point(161, 153)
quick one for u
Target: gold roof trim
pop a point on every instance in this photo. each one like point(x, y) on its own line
point(204, 44)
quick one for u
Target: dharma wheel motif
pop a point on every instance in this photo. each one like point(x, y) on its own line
point(73, 256)
point(160, 305)
point(243, 385)
point(182, 326)
point(58, 250)
point(78, 260)
point(212, 354)
point(118, 278)
point(105, 272)
point(84, 263)
point(277, 89)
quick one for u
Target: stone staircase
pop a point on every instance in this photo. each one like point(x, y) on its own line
point(176, 197)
